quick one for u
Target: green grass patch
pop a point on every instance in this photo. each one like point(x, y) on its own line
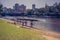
point(9, 31)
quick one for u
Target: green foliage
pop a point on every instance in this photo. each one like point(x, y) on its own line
point(11, 32)
point(1, 8)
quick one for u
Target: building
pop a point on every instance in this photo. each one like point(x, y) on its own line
point(16, 7)
point(33, 6)
point(22, 8)
point(46, 6)
point(19, 8)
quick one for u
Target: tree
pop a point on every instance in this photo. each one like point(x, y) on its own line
point(1, 8)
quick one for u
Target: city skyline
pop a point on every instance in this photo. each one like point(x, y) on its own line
point(28, 3)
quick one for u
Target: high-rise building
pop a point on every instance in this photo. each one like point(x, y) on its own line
point(33, 6)
point(19, 8)
point(22, 8)
point(46, 6)
point(16, 7)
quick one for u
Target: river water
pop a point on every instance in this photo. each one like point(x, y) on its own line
point(48, 23)
point(45, 23)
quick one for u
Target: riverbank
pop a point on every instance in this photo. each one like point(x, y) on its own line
point(9, 31)
point(52, 24)
point(50, 35)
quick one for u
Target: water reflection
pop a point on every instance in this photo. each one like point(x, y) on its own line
point(48, 23)
point(45, 23)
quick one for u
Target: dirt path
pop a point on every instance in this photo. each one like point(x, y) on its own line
point(49, 35)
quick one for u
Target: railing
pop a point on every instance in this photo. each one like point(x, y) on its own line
point(24, 22)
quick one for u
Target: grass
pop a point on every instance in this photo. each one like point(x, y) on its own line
point(9, 31)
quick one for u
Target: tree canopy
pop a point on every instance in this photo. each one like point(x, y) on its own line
point(1, 8)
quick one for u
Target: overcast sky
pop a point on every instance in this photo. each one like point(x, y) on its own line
point(28, 3)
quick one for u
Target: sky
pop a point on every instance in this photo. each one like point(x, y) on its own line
point(28, 3)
